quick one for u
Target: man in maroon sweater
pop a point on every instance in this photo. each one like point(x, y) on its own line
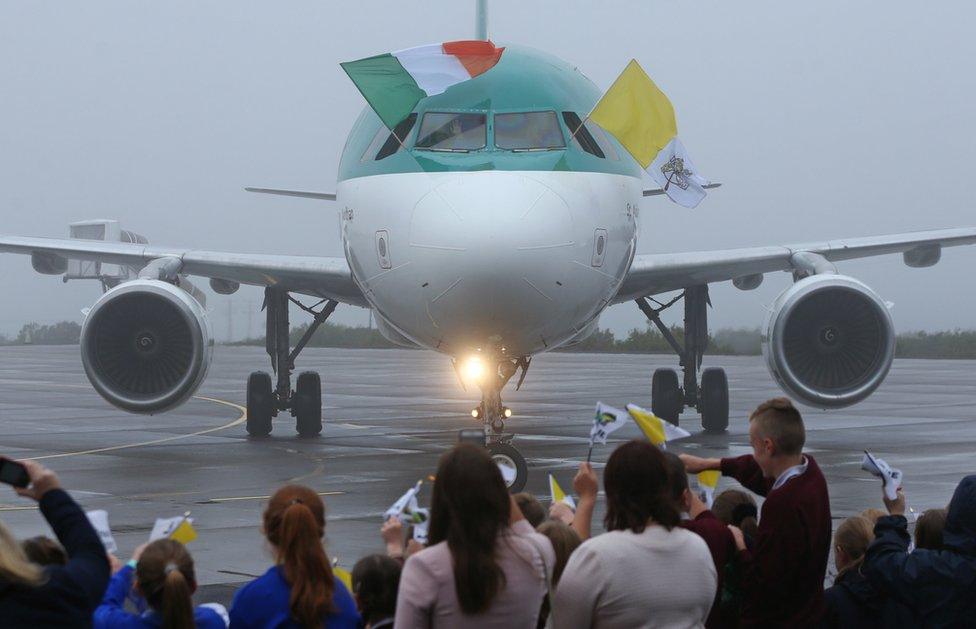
point(782, 576)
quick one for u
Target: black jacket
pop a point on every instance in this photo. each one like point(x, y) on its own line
point(72, 592)
point(854, 602)
point(939, 586)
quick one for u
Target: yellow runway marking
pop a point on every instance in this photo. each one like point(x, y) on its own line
point(236, 422)
point(236, 498)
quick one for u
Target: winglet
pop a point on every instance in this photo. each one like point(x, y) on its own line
point(322, 196)
point(653, 192)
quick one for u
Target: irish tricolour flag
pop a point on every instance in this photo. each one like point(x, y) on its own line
point(394, 83)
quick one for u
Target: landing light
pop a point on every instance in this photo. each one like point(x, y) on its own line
point(473, 369)
point(507, 412)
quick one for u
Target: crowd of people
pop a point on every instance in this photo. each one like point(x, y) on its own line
point(666, 559)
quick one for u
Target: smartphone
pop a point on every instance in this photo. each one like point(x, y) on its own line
point(13, 473)
point(473, 436)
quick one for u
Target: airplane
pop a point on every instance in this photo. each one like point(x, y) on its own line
point(492, 224)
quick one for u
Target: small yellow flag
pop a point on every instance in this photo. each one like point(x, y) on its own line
point(343, 576)
point(558, 495)
point(654, 428)
point(184, 533)
point(636, 112)
point(709, 478)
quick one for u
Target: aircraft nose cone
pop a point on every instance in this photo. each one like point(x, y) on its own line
point(492, 212)
point(501, 246)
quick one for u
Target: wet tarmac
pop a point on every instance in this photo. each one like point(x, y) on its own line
point(389, 414)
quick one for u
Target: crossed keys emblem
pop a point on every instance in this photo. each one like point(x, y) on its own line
point(676, 173)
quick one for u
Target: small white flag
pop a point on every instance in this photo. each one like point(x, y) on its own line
point(99, 521)
point(890, 478)
point(674, 171)
point(421, 523)
point(405, 505)
point(605, 421)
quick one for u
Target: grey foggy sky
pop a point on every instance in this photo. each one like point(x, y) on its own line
point(823, 120)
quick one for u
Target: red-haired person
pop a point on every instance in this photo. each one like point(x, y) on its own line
point(300, 589)
point(165, 578)
point(782, 576)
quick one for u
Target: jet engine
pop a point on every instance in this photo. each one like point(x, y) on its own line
point(829, 341)
point(146, 346)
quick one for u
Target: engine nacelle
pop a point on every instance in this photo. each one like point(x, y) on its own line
point(829, 341)
point(146, 346)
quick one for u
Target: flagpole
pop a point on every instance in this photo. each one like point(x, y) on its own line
point(573, 134)
point(589, 453)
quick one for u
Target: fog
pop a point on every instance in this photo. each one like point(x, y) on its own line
point(822, 120)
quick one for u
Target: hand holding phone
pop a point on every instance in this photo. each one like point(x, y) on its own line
point(13, 473)
point(39, 480)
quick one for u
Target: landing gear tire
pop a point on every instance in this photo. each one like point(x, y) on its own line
point(260, 404)
point(505, 455)
point(666, 396)
point(714, 400)
point(307, 404)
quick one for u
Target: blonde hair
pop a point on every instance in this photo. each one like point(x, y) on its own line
point(14, 565)
point(873, 514)
point(853, 536)
point(778, 420)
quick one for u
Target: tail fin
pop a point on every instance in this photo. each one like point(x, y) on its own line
point(481, 20)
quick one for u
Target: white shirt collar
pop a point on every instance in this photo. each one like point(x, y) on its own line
point(787, 474)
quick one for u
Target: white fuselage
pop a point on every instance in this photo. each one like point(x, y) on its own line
point(515, 262)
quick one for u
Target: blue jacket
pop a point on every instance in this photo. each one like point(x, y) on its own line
point(939, 586)
point(264, 603)
point(112, 615)
point(71, 592)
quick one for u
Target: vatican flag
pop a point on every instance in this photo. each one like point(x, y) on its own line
point(179, 528)
point(184, 533)
point(677, 175)
point(636, 112)
point(558, 495)
point(656, 429)
point(707, 482)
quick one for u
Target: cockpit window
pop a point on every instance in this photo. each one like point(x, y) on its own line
point(528, 131)
point(589, 136)
point(452, 132)
point(386, 143)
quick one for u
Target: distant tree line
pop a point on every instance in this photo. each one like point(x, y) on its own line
point(724, 341)
point(334, 335)
point(60, 333)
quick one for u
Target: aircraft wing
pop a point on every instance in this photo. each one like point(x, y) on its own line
point(655, 273)
point(310, 275)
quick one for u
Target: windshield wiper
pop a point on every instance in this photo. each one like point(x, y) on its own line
point(439, 150)
point(537, 149)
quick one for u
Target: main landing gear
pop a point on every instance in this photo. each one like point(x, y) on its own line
point(711, 397)
point(305, 402)
point(492, 414)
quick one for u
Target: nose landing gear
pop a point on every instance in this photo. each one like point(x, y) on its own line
point(492, 414)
